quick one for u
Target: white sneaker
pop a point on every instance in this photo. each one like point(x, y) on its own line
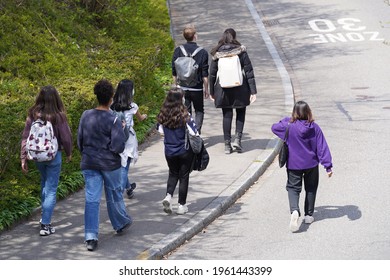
point(294, 221)
point(167, 204)
point(182, 209)
point(308, 219)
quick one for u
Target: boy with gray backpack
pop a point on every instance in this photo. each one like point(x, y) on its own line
point(190, 70)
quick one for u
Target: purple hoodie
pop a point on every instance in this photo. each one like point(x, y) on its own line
point(307, 146)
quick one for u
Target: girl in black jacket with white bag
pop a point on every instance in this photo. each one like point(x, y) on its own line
point(237, 97)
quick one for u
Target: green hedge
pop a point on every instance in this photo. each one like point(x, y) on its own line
point(71, 45)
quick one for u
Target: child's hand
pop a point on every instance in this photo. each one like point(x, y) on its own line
point(143, 117)
point(330, 173)
point(24, 166)
point(123, 124)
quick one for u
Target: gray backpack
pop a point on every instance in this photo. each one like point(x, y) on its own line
point(187, 68)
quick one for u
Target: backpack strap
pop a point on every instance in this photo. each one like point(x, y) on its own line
point(196, 51)
point(183, 50)
point(286, 133)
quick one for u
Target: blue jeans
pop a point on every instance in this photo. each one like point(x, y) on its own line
point(124, 175)
point(50, 175)
point(94, 180)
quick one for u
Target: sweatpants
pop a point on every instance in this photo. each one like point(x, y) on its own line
point(295, 178)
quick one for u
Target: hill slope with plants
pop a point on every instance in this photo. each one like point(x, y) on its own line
point(72, 44)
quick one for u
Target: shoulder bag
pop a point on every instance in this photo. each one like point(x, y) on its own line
point(193, 141)
point(283, 153)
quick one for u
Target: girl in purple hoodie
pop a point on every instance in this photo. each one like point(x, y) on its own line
point(307, 148)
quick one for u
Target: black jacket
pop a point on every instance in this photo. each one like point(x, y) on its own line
point(236, 97)
point(201, 58)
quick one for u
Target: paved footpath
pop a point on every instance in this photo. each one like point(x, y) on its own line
point(154, 233)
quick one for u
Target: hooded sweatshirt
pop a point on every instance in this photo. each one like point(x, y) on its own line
point(307, 146)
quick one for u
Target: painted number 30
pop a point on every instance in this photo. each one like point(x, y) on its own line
point(353, 31)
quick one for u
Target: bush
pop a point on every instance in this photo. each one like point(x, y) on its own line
point(71, 45)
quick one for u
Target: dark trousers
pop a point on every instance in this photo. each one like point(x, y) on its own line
point(294, 187)
point(195, 98)
point(228, 118)
point(179, 171)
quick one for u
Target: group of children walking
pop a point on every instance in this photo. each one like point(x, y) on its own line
point(108, 144)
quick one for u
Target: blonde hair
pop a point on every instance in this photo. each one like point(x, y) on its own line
point(189, 32)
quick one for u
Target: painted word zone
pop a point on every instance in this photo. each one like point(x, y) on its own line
point(352, 31)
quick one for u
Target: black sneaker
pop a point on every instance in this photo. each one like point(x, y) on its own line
point(130, 191)
point(46, 230)
point(121, 230)
point(91, 244)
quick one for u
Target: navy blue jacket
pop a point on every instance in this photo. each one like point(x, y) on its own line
point(101, 139)
point(174, 139)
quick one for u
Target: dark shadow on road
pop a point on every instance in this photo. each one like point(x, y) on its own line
point(332, 212)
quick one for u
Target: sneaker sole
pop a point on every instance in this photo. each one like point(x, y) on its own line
point(294, 221)
point(122, 230)
point(130, 196)
point(181, 211)
point(167, 207)
point(91, 247)
point(308, 220)
point(46, 232)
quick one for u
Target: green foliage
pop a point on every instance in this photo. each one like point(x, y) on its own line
point(71, 45)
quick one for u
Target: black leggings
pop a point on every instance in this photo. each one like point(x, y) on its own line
point(179, 171)
point(196, 99)
point(228, 118)
point(294, 188)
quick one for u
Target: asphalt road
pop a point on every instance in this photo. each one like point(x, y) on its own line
point(337, 56)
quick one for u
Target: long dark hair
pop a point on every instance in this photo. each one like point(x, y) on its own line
point(123, 96)
point(173, 113)
point(302, 111)
point(48, 106)
point(228, 38)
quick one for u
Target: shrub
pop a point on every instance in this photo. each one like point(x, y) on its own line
point(71, 45)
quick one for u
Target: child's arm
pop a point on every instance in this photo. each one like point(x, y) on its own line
point(141, 117)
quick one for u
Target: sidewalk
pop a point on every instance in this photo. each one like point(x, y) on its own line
point(154, 233)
